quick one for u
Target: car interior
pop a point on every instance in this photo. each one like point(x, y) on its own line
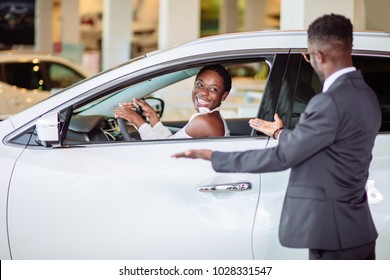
point(170, 96)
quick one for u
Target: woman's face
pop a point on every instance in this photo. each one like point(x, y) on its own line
point(208, 90)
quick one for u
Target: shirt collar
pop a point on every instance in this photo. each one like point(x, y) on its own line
point(330, 80)
point(204, 110)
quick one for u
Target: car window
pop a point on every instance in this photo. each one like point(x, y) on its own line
point(248, 83)
point(375, 70)
point(175, 91)
point(24, 75)
point(62, 76)
point(92, 120)
point(307, 85)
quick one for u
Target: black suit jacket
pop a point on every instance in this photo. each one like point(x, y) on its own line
point(329, 153)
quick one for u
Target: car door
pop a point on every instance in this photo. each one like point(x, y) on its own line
point(376, 71)
point(298, 86)
point(292, 102)
point(130, 201)
point(133, 201)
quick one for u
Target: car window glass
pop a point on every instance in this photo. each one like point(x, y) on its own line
point(105, 105)
point(25, 75)
point(61, 75)
point(376, 72)
point(307, 85)
point(248, 83)
point(94, 121)
point(175, 90)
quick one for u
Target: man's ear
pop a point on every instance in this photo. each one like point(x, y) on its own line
point(320, 56)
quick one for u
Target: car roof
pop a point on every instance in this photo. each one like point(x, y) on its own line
point(283, 39)
point(25, 54)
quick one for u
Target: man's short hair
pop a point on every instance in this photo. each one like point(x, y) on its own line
point(332, 29)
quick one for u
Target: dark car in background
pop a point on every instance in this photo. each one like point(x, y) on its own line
point(29, 77)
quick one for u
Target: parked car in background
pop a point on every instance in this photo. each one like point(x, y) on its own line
point(29, 77)
point(71, 187)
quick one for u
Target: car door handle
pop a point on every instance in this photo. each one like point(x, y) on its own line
point(232, 187)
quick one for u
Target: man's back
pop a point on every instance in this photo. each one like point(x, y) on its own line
point(327, 190)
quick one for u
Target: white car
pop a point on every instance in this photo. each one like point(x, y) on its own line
point(29, 77)
point(71, 187)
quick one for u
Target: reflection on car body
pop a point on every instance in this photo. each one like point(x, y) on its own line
point(72, 188)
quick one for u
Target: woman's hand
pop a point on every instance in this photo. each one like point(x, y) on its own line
point(268, 128)
point(148, 111)
point(127, 111)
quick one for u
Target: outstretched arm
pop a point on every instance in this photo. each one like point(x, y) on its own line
point(202, 154)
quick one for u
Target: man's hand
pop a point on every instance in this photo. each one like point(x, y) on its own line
point(202, 154)
point(268, 128)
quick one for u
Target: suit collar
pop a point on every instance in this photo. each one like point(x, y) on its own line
point(332, 78)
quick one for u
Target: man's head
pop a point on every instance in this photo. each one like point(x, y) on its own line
point(330, 44)
point(333, 30)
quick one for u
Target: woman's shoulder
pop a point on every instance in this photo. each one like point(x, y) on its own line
point(209, 124)
point(210, 117)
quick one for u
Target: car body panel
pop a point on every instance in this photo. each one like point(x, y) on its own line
point(93, 207)
point(9, 156)
point(378, 192)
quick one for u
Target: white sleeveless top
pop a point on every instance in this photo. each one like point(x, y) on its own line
point(159, 131)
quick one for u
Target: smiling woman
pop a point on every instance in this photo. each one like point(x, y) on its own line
point(211, 87)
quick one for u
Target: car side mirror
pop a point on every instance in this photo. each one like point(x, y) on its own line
point(48, 129)
point(157, 104)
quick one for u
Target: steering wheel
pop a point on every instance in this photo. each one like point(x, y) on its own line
point(123, 128)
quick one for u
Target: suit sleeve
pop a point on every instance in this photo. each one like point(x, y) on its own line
point(316, 130)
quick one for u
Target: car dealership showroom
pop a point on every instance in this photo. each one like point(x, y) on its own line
point(82, 84)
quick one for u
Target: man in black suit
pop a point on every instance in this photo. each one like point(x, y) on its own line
point(329, 153)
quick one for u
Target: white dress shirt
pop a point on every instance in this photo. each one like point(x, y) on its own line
point(330, 80)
